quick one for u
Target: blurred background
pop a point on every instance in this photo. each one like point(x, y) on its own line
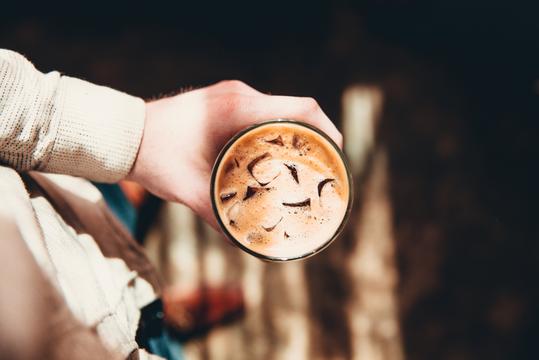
point(439, 107)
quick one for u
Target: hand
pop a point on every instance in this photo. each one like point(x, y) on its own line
point(183, 135)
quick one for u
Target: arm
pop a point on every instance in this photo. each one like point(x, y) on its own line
point(59, 124)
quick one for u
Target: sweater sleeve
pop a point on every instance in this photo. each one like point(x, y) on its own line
point(58, 124)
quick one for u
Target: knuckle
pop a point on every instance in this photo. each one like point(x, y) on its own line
point(339, 139)
point(311, 105)
point(233, 85)
point(232, 102)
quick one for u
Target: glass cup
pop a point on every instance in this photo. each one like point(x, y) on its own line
point(281, 190)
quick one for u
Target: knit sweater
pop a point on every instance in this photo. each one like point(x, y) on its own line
point(51, 123)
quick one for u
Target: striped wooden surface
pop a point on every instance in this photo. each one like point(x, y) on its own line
point(339, 304)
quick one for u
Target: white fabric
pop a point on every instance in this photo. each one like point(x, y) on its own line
point(59, 124)
point(53, 123)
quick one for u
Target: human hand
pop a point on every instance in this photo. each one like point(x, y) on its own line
point(183, 135)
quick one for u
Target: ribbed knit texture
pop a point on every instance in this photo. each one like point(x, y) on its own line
point(59, 124)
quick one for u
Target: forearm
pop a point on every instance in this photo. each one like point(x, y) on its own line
point(59, 124)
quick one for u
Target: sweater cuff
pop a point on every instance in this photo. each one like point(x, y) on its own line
point(99, 131)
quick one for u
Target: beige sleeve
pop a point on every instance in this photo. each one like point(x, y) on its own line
point(58, 124)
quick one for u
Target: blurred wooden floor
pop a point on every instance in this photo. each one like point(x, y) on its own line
point(457, 140)
point(339, 304)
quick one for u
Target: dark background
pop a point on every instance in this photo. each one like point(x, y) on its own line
point(459, 120)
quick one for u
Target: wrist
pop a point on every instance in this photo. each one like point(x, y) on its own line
point(159, 162)
point(134, 173)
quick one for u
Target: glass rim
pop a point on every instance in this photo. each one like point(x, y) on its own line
point(236, 242)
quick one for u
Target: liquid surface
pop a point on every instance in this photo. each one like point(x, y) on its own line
point(281, 190)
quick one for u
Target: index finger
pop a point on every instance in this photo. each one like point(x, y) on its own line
point(304, 109)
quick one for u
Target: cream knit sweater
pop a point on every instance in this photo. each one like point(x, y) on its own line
point(57, 124)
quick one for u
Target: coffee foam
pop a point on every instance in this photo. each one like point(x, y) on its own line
point(267, 190)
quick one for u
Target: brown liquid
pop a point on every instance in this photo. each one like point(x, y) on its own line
point(281, 190)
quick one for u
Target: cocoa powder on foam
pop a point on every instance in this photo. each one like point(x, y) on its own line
point(267, 190)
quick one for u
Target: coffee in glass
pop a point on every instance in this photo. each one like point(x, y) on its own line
point(281, 190)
